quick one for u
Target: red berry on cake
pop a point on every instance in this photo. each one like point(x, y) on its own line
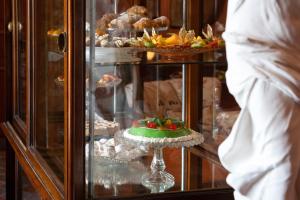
point(151, 125)
point(172, 126)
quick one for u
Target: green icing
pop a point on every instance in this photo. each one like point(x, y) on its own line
point(156, 133)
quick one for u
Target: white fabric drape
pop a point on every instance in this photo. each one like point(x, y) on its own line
point(262, 153)
point(262, 40)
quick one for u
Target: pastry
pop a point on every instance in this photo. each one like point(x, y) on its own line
point(130, 18)
point(120, 24)
point(54, 32)
point(103, 127)
point(60, 78)
point(100, 32)
point(162, 21)
point(144, 22)
point(102, 23)
point(59, 81)
point(108, 80)
point(124, 17)
point(139, 10)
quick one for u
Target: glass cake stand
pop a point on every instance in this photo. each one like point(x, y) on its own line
point(111, 174)
point(158, 180)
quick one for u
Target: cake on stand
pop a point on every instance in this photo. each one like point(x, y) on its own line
point(158, 180)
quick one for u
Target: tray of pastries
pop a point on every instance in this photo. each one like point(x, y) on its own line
point(185, 42)
point(134, 18)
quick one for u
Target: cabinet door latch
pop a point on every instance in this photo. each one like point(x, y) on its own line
point(10, 27)
point(62, 42)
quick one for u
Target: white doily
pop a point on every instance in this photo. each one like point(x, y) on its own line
point(193, 139)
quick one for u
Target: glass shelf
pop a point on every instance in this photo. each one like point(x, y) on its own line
point(110, 58)
point(125, 180)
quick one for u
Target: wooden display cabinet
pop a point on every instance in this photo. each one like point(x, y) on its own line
point(47, 106)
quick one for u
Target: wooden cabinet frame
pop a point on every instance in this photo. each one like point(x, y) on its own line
point(20, 136)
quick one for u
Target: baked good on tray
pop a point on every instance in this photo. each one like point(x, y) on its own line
point(103, 127)
point(120, 24)
point(144, 22)
point(134, 18)
point(108, 80)
point(103, 23)
point(140, 10)
point(161, 21)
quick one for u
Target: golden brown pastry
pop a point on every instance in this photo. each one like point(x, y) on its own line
point(120, 24)
point(134, 18)
point(102, 24)
point(54, 32)
point(124, 17)
point(162, 21)
point(144, 22)
point(138, 10)
point(100, 32)
point(60, 78)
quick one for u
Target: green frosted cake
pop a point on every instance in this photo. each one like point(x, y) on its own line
point(159, 128)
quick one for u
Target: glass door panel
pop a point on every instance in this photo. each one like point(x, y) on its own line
point(25, 189)
point(126, 84)
point(48, 83)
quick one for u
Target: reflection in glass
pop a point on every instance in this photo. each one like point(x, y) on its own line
point(112, 175)
point(49, 83)
point(21, 58)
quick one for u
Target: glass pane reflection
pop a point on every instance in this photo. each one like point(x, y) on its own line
point(49, 84)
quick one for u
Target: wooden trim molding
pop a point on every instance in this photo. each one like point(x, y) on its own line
point(75, 101)
point(205, 194)
point(20, 127)
point(38, 176)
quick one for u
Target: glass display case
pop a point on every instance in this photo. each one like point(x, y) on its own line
point(116, 99)
point(153, 65)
